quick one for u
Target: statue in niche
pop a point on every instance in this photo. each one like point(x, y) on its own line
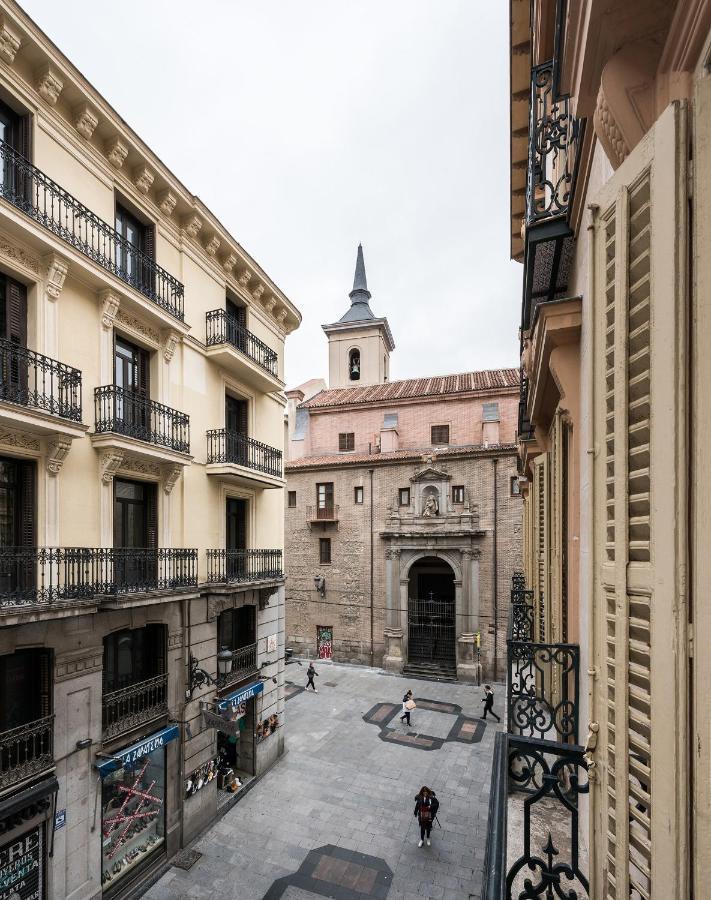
point(431, 507)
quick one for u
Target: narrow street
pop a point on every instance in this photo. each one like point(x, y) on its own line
point(334, 818)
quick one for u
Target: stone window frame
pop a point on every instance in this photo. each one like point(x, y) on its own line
point(291, 495)
point(436, 435)
point(457, 493)
point(324, 544)
point(403, 492)
point(358, 495)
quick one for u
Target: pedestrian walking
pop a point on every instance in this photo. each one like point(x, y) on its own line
point(426, 806)
point(488, 701)
point(408, 704)
point(310, 672)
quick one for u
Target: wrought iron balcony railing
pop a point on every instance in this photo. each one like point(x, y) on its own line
point(521, 619)
point(233, 566)
point(37, 382)
point(28, 189)
point(225, 446)
point(131, 706)
point(26, 751)
point(244, 664)
point(525, 428)
point(553, 141)
point(222, 328)
point(126, 570)
point(132, 414)
point(322, 513)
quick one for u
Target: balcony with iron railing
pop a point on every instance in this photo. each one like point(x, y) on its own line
point(554, 138)
point(28, 189)
point(240, 351)
point(130, 421)
point(322, 514)
point(26, 751)
point(243, 566)
point(237, 457)
point(244, 665)
point(134, 705)
point(534, 845)
point(36, 579)
point(526, 431)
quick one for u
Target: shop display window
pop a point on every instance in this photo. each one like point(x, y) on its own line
point(132, 815)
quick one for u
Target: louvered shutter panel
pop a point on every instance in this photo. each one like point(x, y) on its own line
point(24, 137)
point(151, 516)
point(148, 280)
point(27, 530)
point(639, 424)
point(17, 313)
point(540, 526)
point(45, 682)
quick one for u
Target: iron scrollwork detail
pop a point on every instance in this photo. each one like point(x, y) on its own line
point(543, 690)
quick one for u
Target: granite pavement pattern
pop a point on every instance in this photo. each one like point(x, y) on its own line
point(340, 786)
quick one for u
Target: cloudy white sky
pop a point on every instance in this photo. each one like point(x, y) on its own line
point(310, 125)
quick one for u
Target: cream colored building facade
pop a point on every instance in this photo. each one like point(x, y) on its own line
point(611, 217)
point(141, 438)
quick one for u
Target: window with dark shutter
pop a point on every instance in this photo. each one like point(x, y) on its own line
point(236, 531)
point(346, 440)
point(404, 498)
point(28, 503)
point(358, 494)
point(151, 516)
point(324, 547)
point(292, 499)
point(439, 434)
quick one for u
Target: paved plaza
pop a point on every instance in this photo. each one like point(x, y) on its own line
point(334, 818)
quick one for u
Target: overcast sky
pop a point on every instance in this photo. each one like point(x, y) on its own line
point(310, 125)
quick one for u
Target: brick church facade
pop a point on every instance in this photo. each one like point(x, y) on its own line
point(403, 518)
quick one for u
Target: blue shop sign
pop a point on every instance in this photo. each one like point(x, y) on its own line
point(135, 752)
point(234, 700)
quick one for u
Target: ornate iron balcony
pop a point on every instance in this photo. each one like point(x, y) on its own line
point(126, 570)
point(131, 706)
point(44, 575)
point(135, 415)
point(521, 619)
point(525, 428)
point(225, 446)
point(222, 328)
point(553, 141)
point(322, 513)
point(35, 381)
point(26, 751)
point(36, 195)
point(244, 664)
point(234, 566)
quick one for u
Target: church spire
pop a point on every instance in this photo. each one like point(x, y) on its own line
point(360, 293)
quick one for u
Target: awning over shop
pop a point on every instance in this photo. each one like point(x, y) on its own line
point(240, 696)
point(132, 754)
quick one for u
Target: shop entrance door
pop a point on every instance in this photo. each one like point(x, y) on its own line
point(324, 641)
point(237, 750)
point(431, 616)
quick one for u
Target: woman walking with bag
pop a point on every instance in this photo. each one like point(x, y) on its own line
point(408, 704)
point(426, 806)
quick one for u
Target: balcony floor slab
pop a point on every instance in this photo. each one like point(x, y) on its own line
point(244, 476)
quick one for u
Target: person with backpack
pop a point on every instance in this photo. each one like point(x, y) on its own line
point(488, 701)
point(408, 704)
point(426, 806)
point(310, 672)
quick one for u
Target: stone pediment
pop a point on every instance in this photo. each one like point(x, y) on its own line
point(430, 473)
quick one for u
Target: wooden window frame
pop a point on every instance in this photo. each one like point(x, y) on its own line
point(457, 493)
point(346, 441)
point(324, 544)
point(291, 495)
point(358, 492)
point(403, 492)
point(435, 430)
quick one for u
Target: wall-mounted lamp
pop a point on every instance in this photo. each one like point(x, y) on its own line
point(320, 584)
point(199, 677)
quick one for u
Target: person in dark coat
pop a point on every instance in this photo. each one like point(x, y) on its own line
point(426, 806)
point(310, 672)
point(488, 701)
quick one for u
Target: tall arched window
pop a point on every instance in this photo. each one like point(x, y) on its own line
point(354, 365)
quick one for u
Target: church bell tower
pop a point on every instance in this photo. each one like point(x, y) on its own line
point(359, 344)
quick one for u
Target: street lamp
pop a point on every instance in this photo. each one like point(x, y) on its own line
point(198, 677)
point(224, 664)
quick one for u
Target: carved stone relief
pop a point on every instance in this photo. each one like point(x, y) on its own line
point(19, 256)
point(143, 179)
point(212, 246)
point(116, 152)
point(229, 262)
point(131, 323)
point(110, 303)
point(9, 44)
point(19, 439)
point(57, 269)
point(170, 342)
point(57, 450)
point(167, 201)
point(192, 226)
point(49, 85)
point(85, 120)
point(171, 474)
point(110, 461)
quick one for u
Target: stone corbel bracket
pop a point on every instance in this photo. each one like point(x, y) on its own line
point(170, 342)
point(171, 474)
point(57, 449)
point(110, 303)
point(110, 462)
point(57, 269)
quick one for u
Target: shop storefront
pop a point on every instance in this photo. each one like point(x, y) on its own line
point(133, 809)
point(26, 826)
point(236, 725)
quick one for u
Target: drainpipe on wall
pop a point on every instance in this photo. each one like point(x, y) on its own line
point(496, 579)
point(372, 656)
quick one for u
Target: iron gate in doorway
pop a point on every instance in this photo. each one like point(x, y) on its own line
point(431, 631)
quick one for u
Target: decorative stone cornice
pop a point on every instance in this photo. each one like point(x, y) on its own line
point(212, 246)
point(229, 262)
point(139, 466)
point(116, 152)
point(17, 255)
point(9, 44)
point(430, 473)
point(57, 450)
point(143, 179)
point(244, 278)
point(76, 663)
point(57, 269)
point(281, 315)
point(167, 201)
point(171, 474)
point(110, 303)
point(49, 85)
point(192, 226)
point(258, 291)
point(131, 323)
point(85, 121)
point(170, 342)
point(110, 462)
point(19, 439)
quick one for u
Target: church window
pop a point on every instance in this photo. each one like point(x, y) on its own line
point(354, 365)
point(458, 493)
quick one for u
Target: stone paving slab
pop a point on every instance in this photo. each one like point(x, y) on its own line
point(341, 787)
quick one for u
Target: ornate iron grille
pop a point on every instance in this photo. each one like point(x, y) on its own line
point(518, 581)
point(230, 566)
point(521, 620)
point(125, 570)
point(222, 328)
point(525, 428)
point(225, 446)
point(431, 631)
point(244, 663)
point(131, 706)
point(543, 690)
point(130, 413)
point(36, 381)
point(553, 140)
point(31, 575)
point(28, 189)
point(26, 751)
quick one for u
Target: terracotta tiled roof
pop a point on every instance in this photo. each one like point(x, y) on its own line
point(355, 459)
point(438, 385)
